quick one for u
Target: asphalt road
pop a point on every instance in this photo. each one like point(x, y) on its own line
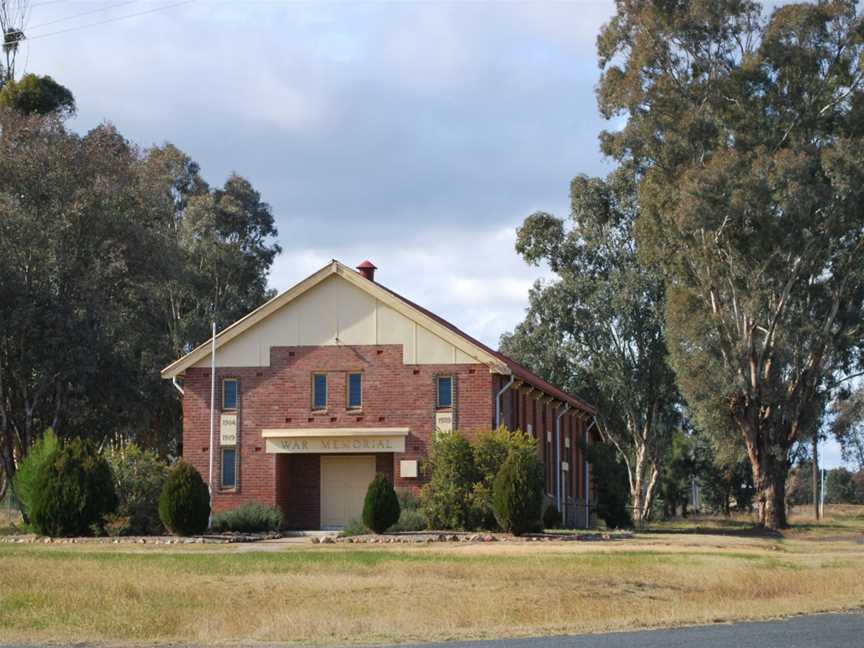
point(817, 631)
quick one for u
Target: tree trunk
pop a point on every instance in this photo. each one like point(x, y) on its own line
point(770, 479)
point(816, 474)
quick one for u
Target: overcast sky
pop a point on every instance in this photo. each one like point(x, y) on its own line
point(415, 134)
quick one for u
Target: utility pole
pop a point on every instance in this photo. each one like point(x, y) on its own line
point(816, 508)
point(822, 499)
point(13, 16)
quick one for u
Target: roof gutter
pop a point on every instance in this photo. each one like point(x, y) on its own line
point(498, 400)
point(177, 385)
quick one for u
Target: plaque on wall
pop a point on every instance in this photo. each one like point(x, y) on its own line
point(228, 430)
point(443, 421)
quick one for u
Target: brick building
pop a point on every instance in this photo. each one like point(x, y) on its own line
point(338, 378)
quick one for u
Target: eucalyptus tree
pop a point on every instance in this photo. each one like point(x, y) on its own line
point(599, 327)
point(113, 260)
point(847, 425)
point(746, 131)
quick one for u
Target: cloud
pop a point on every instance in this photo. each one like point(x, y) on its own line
point(415, 134)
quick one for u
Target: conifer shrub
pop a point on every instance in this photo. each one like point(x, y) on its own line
point(24, 482)
point(251, 517)
point(184, 505)
point(381, 506)
point(517, 492)
point(73, 491)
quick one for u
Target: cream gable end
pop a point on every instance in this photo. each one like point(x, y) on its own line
point(335, 311)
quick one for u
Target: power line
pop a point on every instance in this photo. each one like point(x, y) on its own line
point(84, 13)
point(110, 20)
point(39, 4)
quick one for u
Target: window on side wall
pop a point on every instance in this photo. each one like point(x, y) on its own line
point(319, 391)
point(229, 468)
point(355, 390)
point(444, 392)
point(230, 393)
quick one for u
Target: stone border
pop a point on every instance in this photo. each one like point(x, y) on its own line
point(463, 537)
point(216, 538)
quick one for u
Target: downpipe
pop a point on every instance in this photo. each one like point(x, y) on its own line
point(585, 473)
point(558, 460)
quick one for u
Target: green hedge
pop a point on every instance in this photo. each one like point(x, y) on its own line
point(251, 517)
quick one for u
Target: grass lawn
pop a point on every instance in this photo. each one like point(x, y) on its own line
point(699, 571)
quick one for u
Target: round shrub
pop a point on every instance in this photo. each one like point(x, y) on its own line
point(381, 506)
point(184, 505)
point(517, 492)
point(73, 491)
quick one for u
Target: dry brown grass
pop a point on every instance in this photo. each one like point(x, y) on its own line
point(346, 594)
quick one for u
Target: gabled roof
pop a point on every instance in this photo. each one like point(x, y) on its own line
point(497, 362)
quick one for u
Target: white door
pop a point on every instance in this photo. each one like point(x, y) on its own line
point(344, 480)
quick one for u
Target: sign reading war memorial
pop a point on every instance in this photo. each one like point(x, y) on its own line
point(325, 445)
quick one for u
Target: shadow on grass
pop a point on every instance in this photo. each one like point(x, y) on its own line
point(728, 527)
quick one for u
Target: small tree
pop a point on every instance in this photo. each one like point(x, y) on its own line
point(517, 492)
point(184, 505)
point(610, 479)
point(839, 487)
point(73, 491)
point(452, 473)
point(24, 482)
point(381, 506)
point(139, 476)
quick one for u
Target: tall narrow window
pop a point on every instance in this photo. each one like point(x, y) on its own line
point(229, 468)
point(319, 391)
point(229, 393)
point(355, 390)
point(445, 391)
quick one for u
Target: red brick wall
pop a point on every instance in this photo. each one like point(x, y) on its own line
point(280, 396)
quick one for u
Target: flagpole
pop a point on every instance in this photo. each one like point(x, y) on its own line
point(212, 414)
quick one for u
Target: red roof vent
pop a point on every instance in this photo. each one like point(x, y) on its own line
point(367, 269)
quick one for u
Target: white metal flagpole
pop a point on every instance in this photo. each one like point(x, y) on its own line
point(212, 413)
